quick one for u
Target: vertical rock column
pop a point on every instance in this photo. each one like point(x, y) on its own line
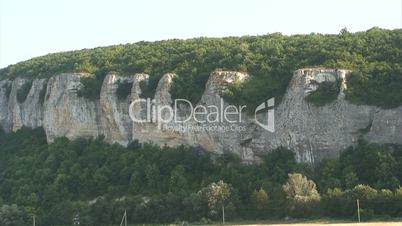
point(115, 121)
point(67, 114)
point(28, 113)
point(5, 89)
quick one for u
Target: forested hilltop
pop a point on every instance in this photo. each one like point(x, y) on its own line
point(374, 56)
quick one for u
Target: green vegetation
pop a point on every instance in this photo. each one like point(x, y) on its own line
point(380, 84)
point(42, 93)
point(373, 55)
point(326, 93)
point(98, 182)
point(7, 88)
point(91, 86)
point(23, 91)
point(123, 89)
point(148, 87)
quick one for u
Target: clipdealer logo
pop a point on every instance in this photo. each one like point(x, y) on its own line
point(267, 106)
point(149, 111)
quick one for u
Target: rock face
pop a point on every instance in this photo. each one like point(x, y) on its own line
point(155, 129)
point(315, 132)
point(66, 114)
point(114, 118)
point(5, 90)
point(312, 132)
point(29, 113)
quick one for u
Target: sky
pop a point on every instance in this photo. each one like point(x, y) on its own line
point(30, 28)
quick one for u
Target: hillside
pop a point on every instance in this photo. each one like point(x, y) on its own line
point(97, 181)
point(71, 151)
point(318, 111)
point(374, 56)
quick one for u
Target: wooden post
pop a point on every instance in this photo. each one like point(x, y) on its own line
point(358, 210)
point(223, 213)
point(125, 217)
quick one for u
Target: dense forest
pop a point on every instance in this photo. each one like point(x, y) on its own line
point(374, 56)
point(93, 182)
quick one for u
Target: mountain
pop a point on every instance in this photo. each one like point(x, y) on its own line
point(319, 109)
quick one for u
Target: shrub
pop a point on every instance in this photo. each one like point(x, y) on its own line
point(23, 91)
point(148, 87)
point(91, 87)
point(85, 67)
point(302, 195)
point(7, 88)
point(326, 93)
point(123, 89)
point(42, 92)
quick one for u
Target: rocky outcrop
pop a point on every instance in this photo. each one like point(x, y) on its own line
point(114, 117)
point(315, 132)
point(29, 113)
point(156, 129)
point(5, 90)
point(312, 132)
point(224, 138)
point(65, 113)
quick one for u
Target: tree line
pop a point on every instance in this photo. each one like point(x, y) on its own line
point(94, 183)
point(373, 55)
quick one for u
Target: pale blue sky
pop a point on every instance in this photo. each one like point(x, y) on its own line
point(30, 28)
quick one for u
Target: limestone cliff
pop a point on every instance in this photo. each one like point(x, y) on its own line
point(312, 132)
point(67, 114)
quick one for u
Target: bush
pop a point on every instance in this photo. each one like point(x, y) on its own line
point(326, 93)
point(42, 92)
point(123, 89)
point(148, 87)
point(91, 86)
point(85, 67)
point(7, 88)
point(23, 91)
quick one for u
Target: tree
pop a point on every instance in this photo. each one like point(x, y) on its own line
point(259, 203)
point(364, 192)
point(334, 202)
point(350, 179)
point(178, 181)
point(302, 195)
point(279, 163)
point(12, 216)
point(217, 195)
point(373, 56)
point(299, 189)
point(259, 199)
point(329, 175)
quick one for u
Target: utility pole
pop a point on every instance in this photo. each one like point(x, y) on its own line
point(358, 210)
point(33, 220)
